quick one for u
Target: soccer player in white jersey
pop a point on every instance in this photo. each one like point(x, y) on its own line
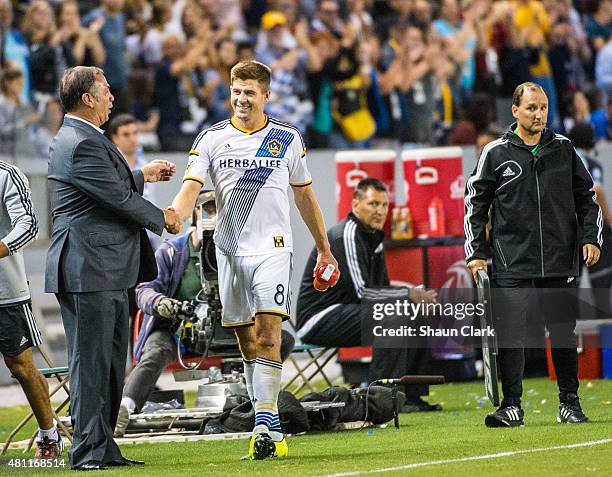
point(251, 160)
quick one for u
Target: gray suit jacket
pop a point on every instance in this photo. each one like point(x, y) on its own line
point(98, 242)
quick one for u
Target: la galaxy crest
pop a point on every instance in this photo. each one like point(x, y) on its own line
point(275, 144)
point(275, 147)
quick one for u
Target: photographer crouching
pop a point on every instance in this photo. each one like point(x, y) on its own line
point(164, 302)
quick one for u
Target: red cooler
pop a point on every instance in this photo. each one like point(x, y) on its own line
point(434, 184)
point(353, 166)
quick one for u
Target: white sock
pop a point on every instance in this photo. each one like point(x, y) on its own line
point(249, 368)
point(129, 403)
point(266, 386)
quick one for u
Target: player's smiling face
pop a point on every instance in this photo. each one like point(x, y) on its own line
point(248, 101)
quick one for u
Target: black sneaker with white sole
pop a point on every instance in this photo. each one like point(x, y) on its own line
point(570, 411)
point(508, 416)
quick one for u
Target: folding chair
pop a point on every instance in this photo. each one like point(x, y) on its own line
point(62, 375)
point(318, 357)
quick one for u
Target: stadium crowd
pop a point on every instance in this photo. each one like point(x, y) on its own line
point(346, 72)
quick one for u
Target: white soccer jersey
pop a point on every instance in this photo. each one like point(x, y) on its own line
point(251, 172)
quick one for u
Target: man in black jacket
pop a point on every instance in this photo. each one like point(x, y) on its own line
point(539, 194)
point(333, 318)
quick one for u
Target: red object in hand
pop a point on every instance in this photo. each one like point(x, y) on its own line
point(326, 275)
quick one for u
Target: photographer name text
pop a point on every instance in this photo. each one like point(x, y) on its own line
point(426, 330)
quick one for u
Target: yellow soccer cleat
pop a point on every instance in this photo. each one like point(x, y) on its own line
point(281, 449)
point(261, 446)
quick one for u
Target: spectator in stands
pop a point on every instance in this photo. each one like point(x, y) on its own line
point(566, 63)
point(320, 82)
point(391, 13)
point(85, 45)
point(15, 49)
point(140, 88)
point(444, 72)
point(216, 88)
point(147, 47)
point(586, 108)
point(371, 55)
point(169, 94)
point(16, 116)
point(415, 84)
point(327, 17)
point(290, 9)
point(603, 69)
point(228, 14)
point(531, 20)
point(515, 56)
point(290, 58)
point(354, 124)
point(459, 39)
point(50, 54)
point(113, 34)
point(599, 25)
point(359, 17)
point(421, 13)
point(245, 50)
point(488, 75)
point(563, 12)
point(192, 19)
point(333, 318)
point(388, 71)
point(137, 13)
point(339, 85)
point(599, 116)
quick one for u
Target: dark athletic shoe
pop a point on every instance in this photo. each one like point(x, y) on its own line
point(509, 416)
point(570, 411)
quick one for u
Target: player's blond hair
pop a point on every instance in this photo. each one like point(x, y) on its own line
point(252, 70)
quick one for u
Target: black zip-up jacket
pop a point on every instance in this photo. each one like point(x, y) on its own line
point(538, 201)
point(361, 260)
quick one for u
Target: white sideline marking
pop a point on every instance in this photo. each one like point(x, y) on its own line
point(465, 459)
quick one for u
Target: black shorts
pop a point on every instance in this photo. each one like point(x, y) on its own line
point(18, 330)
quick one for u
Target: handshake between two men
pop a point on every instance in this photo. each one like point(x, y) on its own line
point(162, 171)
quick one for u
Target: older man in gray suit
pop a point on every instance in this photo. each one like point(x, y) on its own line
point(99, 249)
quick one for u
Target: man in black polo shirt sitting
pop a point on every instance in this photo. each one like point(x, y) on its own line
point(332, 319)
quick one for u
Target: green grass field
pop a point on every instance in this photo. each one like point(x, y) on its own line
point(457, 432)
